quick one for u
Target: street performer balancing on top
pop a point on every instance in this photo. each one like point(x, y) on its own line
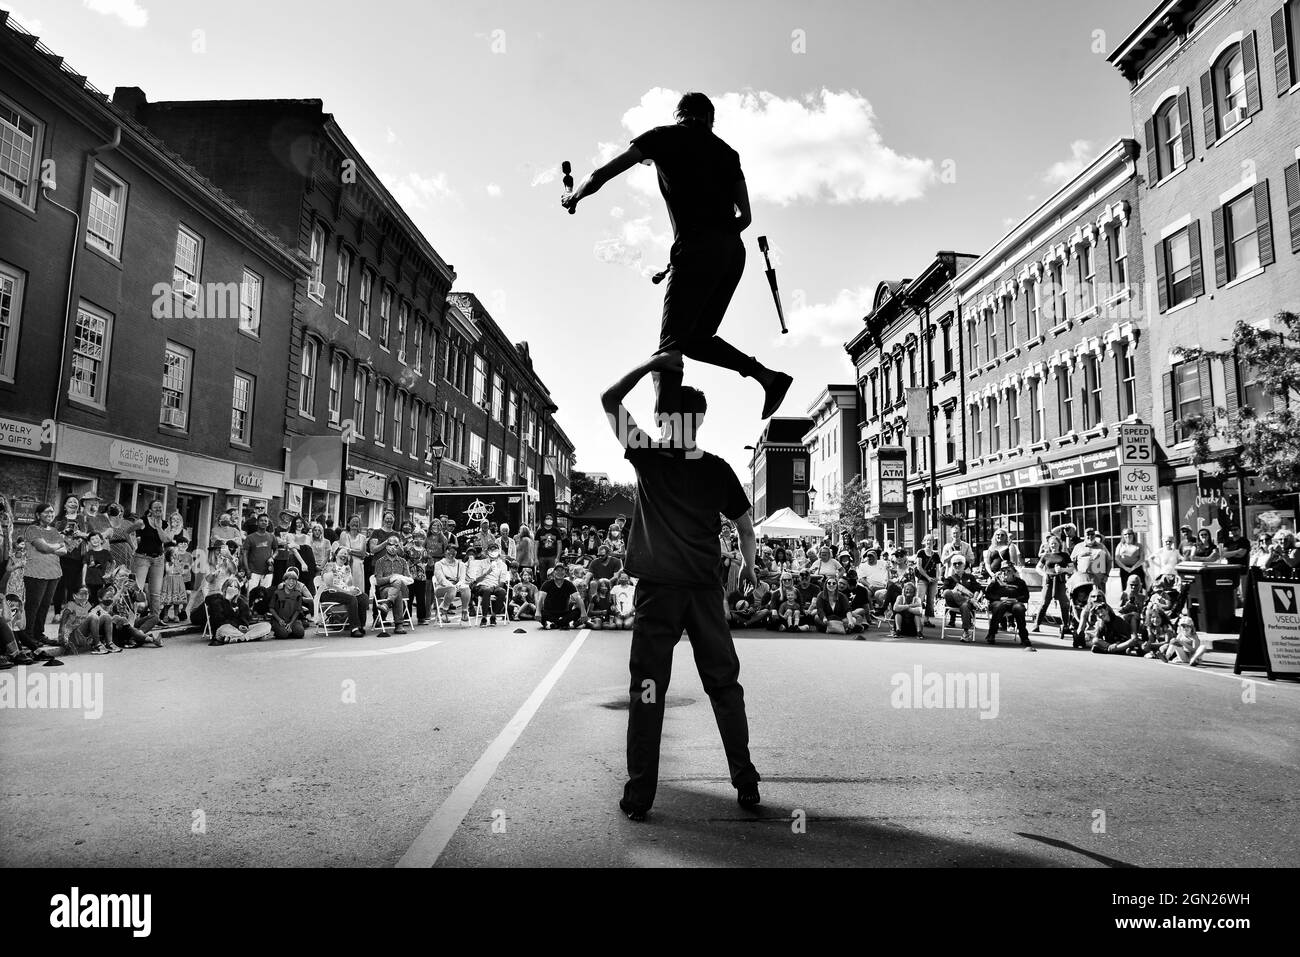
point(702, 183)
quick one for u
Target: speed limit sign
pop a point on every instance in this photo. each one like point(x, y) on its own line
point(1135, 444)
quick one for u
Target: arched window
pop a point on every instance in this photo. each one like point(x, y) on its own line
point(1230, 87)
point(1169, 130)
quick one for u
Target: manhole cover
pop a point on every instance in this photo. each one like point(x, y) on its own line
point(622, 703)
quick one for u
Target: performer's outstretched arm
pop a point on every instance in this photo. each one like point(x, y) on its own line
point(621, 163)
point(625, 429)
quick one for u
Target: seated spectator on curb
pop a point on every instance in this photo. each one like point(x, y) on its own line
point(859, 597)
point(604, 567)
point(874, 576)
point(1008, 595)
point(392, 580)
point(748, 607)
point(806, 591)
point(959, 590)
point(908, 614)
point(338, 588)
point(1131, 602)
point(288, 607)
point(523, 597)
point(624, 595)
point(1163, 608)
point(790, 611)
point(826, 565)
point(1185, 644)
point(601, 606)
point(1099, 626)
point(99, 624)
point(558, 602)
point(74, 624)
point(832, 612)
point(229, 614)
point(134, 625)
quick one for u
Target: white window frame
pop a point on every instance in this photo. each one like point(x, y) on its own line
point(185, 388)
point(178, 274)
point(479, 393)
point(11, 324)
point(360, 385)
point(380, 410)
point(32, 182)
point(342, 277)
point(317, 254)
point(98, 399)
point(245, 439)
point(307, 377)
point(1231, 239)
point(403, 322)
point(334, 401)
point(385, 315)
point(364, 297)
point(412, 427)
point(112, 248)
point(399, 419)
point(417, 362)
point(250, 305)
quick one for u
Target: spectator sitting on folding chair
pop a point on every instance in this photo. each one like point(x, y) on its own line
point(960, 589)
point(289, 606)
point(488, 578)
point(392, 580)
point(873, 575)
point(338, 588)
point(1008, 596)
point(449, 584)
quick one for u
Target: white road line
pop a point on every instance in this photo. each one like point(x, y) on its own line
point(433, 840)
point(376, 652)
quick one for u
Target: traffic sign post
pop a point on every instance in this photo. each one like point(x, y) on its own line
point(1138, 476)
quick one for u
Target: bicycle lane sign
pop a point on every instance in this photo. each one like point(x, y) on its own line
point(1138, 476)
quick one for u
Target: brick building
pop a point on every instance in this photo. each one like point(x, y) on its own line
point(1215, 92)
point(779, 467)
point(145, 317)
point(1055, 352)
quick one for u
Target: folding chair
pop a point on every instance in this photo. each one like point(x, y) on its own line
point(383, 609)
point(325, 625)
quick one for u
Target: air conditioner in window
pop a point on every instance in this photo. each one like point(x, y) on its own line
point(316, 290)
point(174, 418)
point(1233, 117)
point(187, 288)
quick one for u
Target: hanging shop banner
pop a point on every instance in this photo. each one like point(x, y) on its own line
point(371, 485)
point(918, 412)
point(26, 437)
point(417, 493)
point(292, 498)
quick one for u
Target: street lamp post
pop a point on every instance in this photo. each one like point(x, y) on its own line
point(812, 503)
point(437, 450)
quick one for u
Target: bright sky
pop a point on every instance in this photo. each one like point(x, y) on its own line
point(872, 133)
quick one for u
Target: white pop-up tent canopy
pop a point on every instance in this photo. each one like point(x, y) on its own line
point(787, 523)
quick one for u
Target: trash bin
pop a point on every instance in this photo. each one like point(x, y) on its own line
point(1212, 595)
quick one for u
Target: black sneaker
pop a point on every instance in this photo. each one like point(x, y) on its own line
point(633, 813)
point(748, 796)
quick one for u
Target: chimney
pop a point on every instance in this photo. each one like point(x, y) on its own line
point(130, 100)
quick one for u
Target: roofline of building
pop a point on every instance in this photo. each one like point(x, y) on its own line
point(236, 219)
point(1143, 31)
point(1123, 151)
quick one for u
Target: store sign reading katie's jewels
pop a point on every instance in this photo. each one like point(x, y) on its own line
point(142, 459)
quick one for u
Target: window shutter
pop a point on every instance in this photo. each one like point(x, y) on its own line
point(1185, 116)
point(1264, 223)
point(1208, 119)
point(1171, 402)
point(1293, 204)
point(1220, 247)
point(1250, 64)
point(1281, 54)
point(1153, 155)
point(1232, 400)
point(1194, 247)
point(1162, 291)
point(1207, 387)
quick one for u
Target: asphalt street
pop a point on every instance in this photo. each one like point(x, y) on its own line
point(484, 747)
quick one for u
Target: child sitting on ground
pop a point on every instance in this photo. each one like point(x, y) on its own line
point(791, 611)
point(909, 613)
point(624, 596)
point(1131, 603)
point(523, 598)
point(601, 606)
point(74, 633)
point(1185, 644)
point(100, 624)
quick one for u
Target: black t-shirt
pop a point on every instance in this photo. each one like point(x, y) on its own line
point(557, 595)
point(673, 538)
point(548, 542)
point(697, 176)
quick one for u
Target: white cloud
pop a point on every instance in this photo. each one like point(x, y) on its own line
point(544, 174)
point(493, 190)
point(635, 245)
point(128, 11)
point(414, 191)
point(825, 147)
point(829, 324)
point(1062, 171)
point(390, 137)
point(616, 212)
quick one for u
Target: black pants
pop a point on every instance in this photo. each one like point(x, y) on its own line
point(706, 270)
point(39, 593)
point(662, 612)
point(74, 570)
point(1008, 606)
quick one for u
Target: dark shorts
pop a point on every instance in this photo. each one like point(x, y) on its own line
point(706, 270)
